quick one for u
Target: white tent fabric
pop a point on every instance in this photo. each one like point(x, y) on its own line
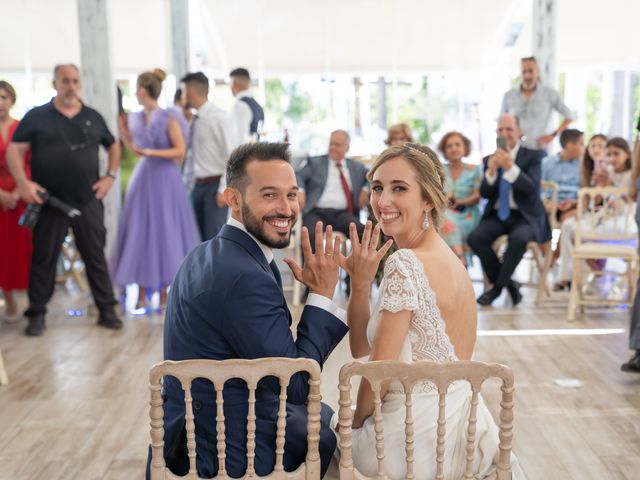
point(332, 36)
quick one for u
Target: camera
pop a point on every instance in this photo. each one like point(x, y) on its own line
point(30, 216)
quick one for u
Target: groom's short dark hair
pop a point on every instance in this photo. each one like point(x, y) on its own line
point(259, 151)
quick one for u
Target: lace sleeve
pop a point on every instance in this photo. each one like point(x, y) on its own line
point(400, 289)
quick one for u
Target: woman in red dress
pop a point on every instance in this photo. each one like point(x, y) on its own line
point(15, 241)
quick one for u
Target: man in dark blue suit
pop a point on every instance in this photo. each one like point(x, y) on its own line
point(511, 186)
point(226, 302)
point(333, 188)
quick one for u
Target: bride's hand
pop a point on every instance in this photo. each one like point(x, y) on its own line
point(364, 259)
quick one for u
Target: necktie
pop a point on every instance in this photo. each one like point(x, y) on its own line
point(345, 187)
point(504, 210)
point(276, 273)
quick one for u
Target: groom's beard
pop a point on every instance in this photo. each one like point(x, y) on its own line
point(255, 227)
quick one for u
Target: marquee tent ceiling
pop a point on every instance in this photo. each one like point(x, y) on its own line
point(328, 36)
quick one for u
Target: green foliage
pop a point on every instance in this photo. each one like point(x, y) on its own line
point(594, 99)
point(127, 164)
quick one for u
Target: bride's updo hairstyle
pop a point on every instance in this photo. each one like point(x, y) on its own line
point(429, 174)
point(152, 82)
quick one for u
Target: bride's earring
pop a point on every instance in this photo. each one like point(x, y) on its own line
point(425, 222)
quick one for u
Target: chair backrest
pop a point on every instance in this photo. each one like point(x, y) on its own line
point(251, 371)
point(549, 190)
point(604, 213)
point(441, 375)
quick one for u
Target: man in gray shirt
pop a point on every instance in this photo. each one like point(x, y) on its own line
point(533, 104)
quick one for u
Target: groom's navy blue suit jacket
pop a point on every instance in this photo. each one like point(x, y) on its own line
point(225, 302)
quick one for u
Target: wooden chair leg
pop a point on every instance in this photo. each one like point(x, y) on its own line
point(576, 286)
point(543, 285)
point(3, 373)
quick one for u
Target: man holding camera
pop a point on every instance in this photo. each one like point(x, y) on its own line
point(64, 136)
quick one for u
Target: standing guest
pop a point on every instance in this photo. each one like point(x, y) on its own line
point(247, 116)
point(15, 242)
point(533, 104)
point(64, 136)
point(511, 185)
point(398, 134)
point(210, 144)
point(333, 188)
point(633, 365)
point(564, 169)
point(157, 227)
point(463, 192)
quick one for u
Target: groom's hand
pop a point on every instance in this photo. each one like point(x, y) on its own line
point(320, 272)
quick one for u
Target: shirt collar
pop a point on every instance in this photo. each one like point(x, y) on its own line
point(268, 253)
point(204, 107)
point(243, 93)
point(514, 152)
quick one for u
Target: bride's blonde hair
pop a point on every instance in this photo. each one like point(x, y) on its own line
point(429, 174)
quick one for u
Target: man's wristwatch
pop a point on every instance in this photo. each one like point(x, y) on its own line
point(111, 173)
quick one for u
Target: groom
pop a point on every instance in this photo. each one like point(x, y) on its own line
point(226, 301)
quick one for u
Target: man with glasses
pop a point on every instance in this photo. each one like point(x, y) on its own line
point(64, 136)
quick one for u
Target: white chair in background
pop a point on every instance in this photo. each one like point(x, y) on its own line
point(604, 230)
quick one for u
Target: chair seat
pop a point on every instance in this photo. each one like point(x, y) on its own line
point(601, 250)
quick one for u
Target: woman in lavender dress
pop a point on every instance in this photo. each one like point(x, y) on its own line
point(158, 226)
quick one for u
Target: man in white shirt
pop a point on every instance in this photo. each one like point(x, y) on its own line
point(511, 185)
point(333, 188)
point(247, 116)
point(208, 149)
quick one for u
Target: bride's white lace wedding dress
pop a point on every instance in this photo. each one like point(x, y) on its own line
point(406, 287)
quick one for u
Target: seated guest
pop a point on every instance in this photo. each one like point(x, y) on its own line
point(333, 188)
point(595, 158)
point(398, 134)
point(564, 169)
point(511, 185)
point(463, 192)
point(226, 302)
point(615, 172)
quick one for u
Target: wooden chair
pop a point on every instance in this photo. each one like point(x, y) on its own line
point(295, 250)
point(541, 254)
point(218, 372)
point(441, 374)
point(604, 214)
point(4, 379)
point(73, 268)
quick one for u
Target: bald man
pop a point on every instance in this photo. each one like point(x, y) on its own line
point(511, 185)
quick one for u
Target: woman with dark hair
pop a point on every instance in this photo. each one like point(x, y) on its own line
point(158, 226)
point(463, 192)
point(15, 242)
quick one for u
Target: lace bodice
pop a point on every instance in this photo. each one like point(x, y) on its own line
point(406, 287)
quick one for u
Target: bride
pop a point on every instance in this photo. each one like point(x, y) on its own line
point(426, 310)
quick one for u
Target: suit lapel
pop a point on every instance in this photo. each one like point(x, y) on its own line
point(236, 235)
point(324, 173)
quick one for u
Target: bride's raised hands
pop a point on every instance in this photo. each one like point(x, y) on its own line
point(365, 257)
